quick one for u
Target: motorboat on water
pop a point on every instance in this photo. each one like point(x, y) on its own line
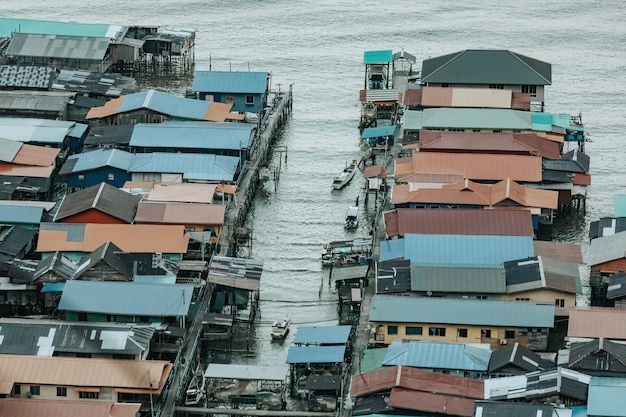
point(280, 328)
point(352, 218)
point(344, 177)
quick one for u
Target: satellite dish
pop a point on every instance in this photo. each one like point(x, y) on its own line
point(429, 293)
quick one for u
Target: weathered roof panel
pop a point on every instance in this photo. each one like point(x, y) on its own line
point(316, 354)
point(596, 322)
point(438, 355)
point(458, 280)
point(102, 197)
point(246, 372)
point(58, 46)
point(322, 335)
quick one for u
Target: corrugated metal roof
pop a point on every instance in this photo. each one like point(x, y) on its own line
point(230, 82)
point(102, 197)
point(182, 192)
point(25, 407)
point(40, 101)
point(193, 166)
point(349, 272)
point(439, 355)
point(391, 249)
point(98, 158)
point(458, 280)
point(9, 149)
point(473, 118)
point(140, 238)
point(112, 85)
point(194, 136)
point(20, 215)
point(58, 46)
point(465, 250)
point(377, 57)
point(518, 356)
point(606, 396)
point(83, 372)
point(374, 132)
point(464, 222)
point(322, 335)
point(372, 359)
point(607, 248)
point(180, 213)
point(12, 170)
point(393, 277)
point(16, 240)
point(428, 402)
point(402, 309)
point(605, 322)
point(246, 372)
point(36, 130)
point(35, 155)
point(164, 103)
point(126, 298)
point(466, 97)
point(47, 27)
point(617, 286)
point(478, 166)
point(316, 354)
point(108, 253)
point(17, 76)
point(569, 252)
point(488, 409)
point(488, 67)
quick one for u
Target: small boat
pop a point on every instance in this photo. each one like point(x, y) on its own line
point(265, 177)
point(280, 328)
point(344, 177)
point(196, 390)
point(352, 217)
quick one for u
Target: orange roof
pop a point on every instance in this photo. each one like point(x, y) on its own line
point(36, 155)
point(82, 372)
point(596, 322)
point(374, 171)
point(477, 166)
point(527, 197)
point(226, 188)
point(404, 193)
point(25, 407)
point(137, 238)
point(110, 108)
point(180, 213)
point(13, 170)
point(219, 112)
point(182, 192)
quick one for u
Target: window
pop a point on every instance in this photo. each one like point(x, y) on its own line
point(88, 395)
point(81, 177)
point(476, 130)
point(35, 390)
point(559, 302)
point(497, 130)
point(509, 334)
point(481, 297)
point(61, 391)
point(445, 85)
point(111, 176)
point(497, 86)
point(413, 331)
point(17, 389)
point(485, 333)
point(392, 329)
point(530, 89)
point(462, 332)
point(522, 299)
point(249, 100)
point(437, 331)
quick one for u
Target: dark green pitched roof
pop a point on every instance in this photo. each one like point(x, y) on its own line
point(473, 66)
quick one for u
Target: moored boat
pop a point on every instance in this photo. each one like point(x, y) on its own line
point(352, 218)
point(280, 328)
point(344, 177)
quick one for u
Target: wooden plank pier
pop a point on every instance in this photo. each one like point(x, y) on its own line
point(270, 124)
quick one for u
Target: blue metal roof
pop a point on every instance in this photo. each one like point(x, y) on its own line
point(323, 335)
point(541, 122)
point(35, 130)
point(378, 57)
point(466, 250)
point(20, 214)
point(398, 309)
point(192, 135)
point(391, 249)
point(165, 103)
point(126, 298)
point(565, 121)
point(78, 130)
point(579, 411)
point(100, 158)
point(374, 132)
point(316, 354)
point(192, 166)
point(607, 396)
point(230, 82)
point(44, 27)
point(620, 205)
point(53, 287)
point(438, 355)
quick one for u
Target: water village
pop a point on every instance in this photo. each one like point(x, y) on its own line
point(122, 218)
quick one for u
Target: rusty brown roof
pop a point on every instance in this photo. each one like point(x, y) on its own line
point(412, 97)
point(36, 155)
point(596, 322)
point(520, 101)
point(433, 179)
point(508, 190)
point(416, 380)
point(406, 193)
point(564, 251)
point(13, 170)
point(182, 192)
point(434, 403)
point(476, 166)
point(25, 407)
point(462, 222)
point(374, 171)
point(582, 179)
point(180, 213)
point(518, 143)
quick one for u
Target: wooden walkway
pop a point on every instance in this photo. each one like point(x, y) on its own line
point(193, 411)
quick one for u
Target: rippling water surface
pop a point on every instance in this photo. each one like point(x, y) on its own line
point(317, 46)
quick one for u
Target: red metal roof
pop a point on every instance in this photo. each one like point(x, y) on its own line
point(425, 401)
point(569, 252)
point(596, 322)
point(36, 155)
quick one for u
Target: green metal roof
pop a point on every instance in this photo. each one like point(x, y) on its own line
point(44, 27)
point(377, 57)
point(486, 67)
point(372, 359)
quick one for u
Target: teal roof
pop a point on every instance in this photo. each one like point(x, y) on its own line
point(377, 57)
point(606, 396)
point(565, 121)
point(372, 359)
point(486, 66)
point(190, 135)
point(541, 122)
point(45, 27)
point(438, 355)
point(402, 309)
point(374, 132)
point(471, 118)
point(230, 82)
point(620, 205)
point(458, 279)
